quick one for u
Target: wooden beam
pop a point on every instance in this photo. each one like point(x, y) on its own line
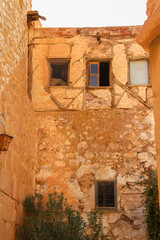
point(34, 16)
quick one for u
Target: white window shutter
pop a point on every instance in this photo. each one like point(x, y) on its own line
point(139, 72)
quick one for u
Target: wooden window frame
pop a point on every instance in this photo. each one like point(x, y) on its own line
point(115, 194)
point(91, 61)
point(93, 74)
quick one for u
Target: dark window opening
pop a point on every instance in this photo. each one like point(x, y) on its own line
point(59, 76)
point(106, 194)
point(99, 74)
point(104, 74)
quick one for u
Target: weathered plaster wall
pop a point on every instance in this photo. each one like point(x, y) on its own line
point(117, 44)
point(155, 71)
point(87, 134)
point(17, 165)
point(150, 40)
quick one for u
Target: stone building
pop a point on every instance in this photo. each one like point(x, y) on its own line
point(91, 92)
point(17, 165)
point(79, 106)
point(150, 41)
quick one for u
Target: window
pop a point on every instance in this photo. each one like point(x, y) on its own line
point(139, 72)
point(59, 73)
point(99, 74)
point(106, 194)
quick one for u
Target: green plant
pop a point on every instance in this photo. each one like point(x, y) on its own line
point(56, 220)
point(95, 225)
point(151, 205)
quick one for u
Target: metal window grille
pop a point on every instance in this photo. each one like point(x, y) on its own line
point(106, 194)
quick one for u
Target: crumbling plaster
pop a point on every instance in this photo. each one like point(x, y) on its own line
point(77, 148)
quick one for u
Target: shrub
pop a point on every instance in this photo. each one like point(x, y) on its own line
point(95, 225)
point(151, 205)
point(57, 220)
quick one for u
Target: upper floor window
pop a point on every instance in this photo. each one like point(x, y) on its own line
point(139, 74)
point(99, 74)
point(106, 194)
point(59, 73)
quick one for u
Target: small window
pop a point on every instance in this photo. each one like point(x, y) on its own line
point(59, 73)
point(99, 74)
point(139, 72)
point(106, 194)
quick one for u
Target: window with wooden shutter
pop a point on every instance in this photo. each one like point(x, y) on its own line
point(99, 74)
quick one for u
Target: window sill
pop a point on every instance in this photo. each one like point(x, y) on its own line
point(145, 85)
point(58, 86)
point(107, 209)
point(107, 87)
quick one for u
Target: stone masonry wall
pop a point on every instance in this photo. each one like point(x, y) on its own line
point(93, 133)
point(17, 165)
point(77, 148)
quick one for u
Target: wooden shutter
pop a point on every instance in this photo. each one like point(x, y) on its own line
point(94, 74)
